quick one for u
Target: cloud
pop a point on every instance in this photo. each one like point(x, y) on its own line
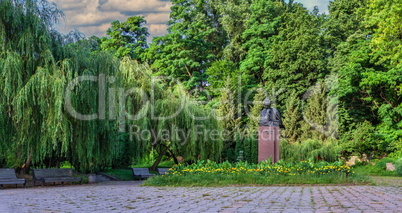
point(310, 4)
point(93, 17)
point(157, 18)
point(157, 29)
point(135, 6)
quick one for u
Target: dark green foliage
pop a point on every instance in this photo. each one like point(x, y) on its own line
point(292, 119)
point(364, 140)
point(250, 148)
point(261, 27)
point(127, 38)
point(193, 42)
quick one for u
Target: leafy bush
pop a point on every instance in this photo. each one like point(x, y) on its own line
point(398, 166)
point(397, 145)
point(382, 164)
point(310, 150)
point(364, 139)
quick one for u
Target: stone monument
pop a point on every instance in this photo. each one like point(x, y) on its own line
point(268, 133)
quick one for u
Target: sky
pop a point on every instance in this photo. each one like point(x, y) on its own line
point(93, 17)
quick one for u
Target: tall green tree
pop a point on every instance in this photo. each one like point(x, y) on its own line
point(233, 16)
point(296, 58)
point(350, 52)
point(381, 84)
point(26, 50)
point(127, 38)
point(262, 25)
point(194, 40)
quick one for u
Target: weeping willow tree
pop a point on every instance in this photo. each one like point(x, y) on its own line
point(25, 39)
point(42, 130)
point(46, 131)
point(36, 128)
point(164, 118)
point(95, 142)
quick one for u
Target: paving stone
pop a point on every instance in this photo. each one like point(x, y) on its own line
point(129, 197)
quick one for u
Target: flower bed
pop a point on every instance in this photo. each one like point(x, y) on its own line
point(222, 174)
point(322, 168)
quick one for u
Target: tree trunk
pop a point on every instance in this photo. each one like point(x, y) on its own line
point(158, 160)
point(27, 165)
point(174, 157)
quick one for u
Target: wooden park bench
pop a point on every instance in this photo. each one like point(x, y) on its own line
point(7, 176)
point(54, 175)
point(163, 171)
point(141, 173)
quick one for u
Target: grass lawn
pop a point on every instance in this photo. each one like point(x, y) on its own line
point(387, 181)
point(371, 170)
point(121, 174)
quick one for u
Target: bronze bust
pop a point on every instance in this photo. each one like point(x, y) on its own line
point(269, 116)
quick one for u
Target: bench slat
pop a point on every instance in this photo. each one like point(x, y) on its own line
point(7, 176)
point(12, 181)
point(54, 175)
point(61, 179)
point(141, 173)
point(7, 173)
point(43, 173)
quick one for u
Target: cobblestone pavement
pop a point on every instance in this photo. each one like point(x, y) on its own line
point(129, 197)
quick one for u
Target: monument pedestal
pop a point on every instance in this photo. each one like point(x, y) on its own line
point(268, 143)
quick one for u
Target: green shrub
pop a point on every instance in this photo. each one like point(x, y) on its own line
point(398, 166)
point(382, 164)
point(397, 146)
point(364, 139)
point(310, 150)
